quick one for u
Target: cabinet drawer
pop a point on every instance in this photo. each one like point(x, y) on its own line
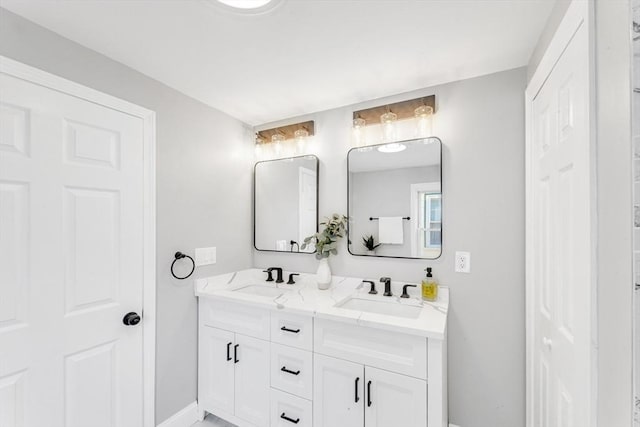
point(292, 329)
point(290, 411)
point(240, 318)
point(402, 353)
point(292, 370)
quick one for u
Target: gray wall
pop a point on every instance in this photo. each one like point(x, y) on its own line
point(203, 188)
point(481, 124)
point(384, 193)
point(557, 13)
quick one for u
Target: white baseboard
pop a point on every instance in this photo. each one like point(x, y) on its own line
point(453, 425)
point(186, 417)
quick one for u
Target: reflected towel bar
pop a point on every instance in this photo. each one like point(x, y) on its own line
point(373, 218)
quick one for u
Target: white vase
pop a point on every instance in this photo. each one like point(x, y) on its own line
point(323, 276)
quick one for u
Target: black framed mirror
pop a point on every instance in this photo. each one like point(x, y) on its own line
point(395, 199)
point(285, 203)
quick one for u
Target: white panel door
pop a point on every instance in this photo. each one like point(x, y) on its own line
point(394, 400)
point(308, 195)
point(71, 260)
point(216, 369)
point(338, 392)
point(561, 207)
point(252, 380)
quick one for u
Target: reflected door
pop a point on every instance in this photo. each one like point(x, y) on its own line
point(71, 259)
point(308, 217)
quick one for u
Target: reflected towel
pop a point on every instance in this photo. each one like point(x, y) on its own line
point(390, 230)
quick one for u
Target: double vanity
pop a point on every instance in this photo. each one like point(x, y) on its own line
point(284, 355)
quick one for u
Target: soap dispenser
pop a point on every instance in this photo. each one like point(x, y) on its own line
point(429, 286)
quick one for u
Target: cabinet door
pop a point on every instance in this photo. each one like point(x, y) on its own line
point(216, 377)
point(252, 380)
point(393, 400)
point(338, 393)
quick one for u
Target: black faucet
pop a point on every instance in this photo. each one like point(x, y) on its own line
point(372, 291)
point(291, 281)
point(278, 270)
point(387, 286)
point(404, 290)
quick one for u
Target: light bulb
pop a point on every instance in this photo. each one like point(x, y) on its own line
point(388, 121)
point(277, 140)
point(358, 131)
point(301, 137)
point(424, 121)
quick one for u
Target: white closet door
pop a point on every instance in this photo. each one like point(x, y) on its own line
point(71, 260)
point(560, 246)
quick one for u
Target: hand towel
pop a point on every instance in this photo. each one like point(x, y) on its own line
point(390, 230)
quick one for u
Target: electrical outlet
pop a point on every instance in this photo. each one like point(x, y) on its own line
point(463, 262)
point(205, 256)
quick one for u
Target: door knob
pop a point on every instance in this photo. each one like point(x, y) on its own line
point(131, 319)
point(547, 342)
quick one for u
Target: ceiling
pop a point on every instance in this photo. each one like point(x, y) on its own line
point(301, 56)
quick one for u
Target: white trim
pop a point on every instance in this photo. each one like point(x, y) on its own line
point(578, 14)
point(186, 417)
point(25, 72)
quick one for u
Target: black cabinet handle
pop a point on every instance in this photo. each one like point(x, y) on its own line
point(235, 353)
point(229, 352)
point(291, 420)
point(357, 397)
point(369, 393)
point(284, 369)
point(294, 331)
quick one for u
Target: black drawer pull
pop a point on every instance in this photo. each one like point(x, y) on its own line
point(357, 397)
point(291, 420)
point(284, 369)
point(235, 353)
point(295, 331)
point(229, 352)
point(369, 393)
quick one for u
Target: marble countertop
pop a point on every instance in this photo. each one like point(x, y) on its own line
point(305, 298)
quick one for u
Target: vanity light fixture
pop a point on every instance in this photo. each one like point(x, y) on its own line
point(280, 139)
point(421, 110)
point(388, 121)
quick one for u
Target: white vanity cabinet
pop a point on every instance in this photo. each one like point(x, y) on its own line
point(286, 365)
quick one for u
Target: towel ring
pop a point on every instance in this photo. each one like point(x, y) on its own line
point(180, 255)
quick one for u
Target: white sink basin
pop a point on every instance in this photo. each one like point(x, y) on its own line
point(389, 308)
point(261, 291)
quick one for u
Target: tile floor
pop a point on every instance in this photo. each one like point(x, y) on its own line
point(213, 421)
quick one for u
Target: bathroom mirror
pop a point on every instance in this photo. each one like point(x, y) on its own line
point(395, 199)
point(285, 203)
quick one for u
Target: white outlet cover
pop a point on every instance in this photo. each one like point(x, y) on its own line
point(463, 262)
point(205, 256)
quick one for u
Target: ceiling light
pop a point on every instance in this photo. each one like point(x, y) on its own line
point(392, 148)
point(245, 4)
